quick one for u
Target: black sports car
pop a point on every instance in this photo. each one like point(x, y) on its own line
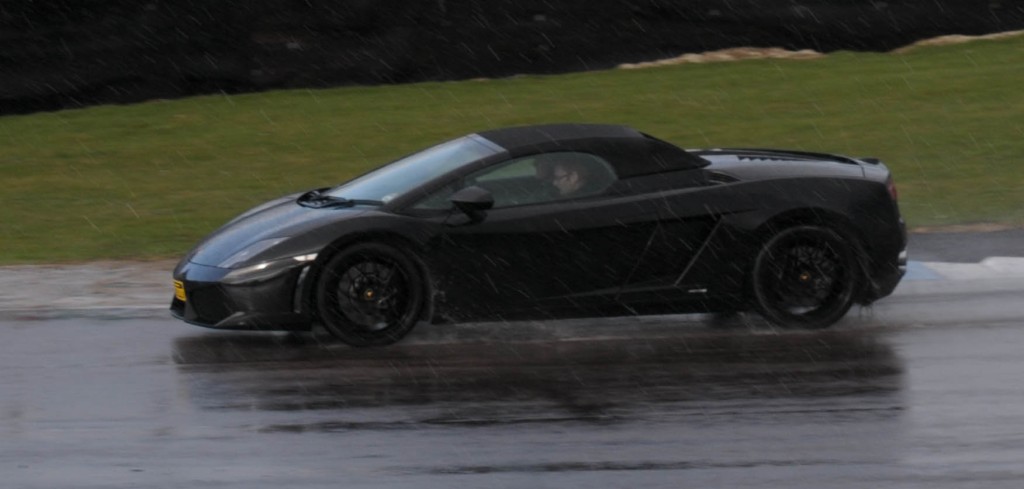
point(568, 220)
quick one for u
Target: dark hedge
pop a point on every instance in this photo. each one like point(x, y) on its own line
point(69, 53)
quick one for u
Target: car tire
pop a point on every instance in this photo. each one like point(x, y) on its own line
point(805, 277)
point(370, 294)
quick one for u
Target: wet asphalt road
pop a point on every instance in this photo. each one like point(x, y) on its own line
point(924, 391)
point(965, 247)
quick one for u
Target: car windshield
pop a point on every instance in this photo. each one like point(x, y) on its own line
point(399, 177)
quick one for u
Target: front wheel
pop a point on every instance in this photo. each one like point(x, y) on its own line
point(370, 294)
point(805, 277)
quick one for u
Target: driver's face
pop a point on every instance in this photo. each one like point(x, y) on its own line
point(566, 181)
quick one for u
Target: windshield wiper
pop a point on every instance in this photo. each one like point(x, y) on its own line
point(318, 200)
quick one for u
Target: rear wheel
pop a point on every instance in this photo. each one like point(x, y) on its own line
point(805, 277)
point(370, 294)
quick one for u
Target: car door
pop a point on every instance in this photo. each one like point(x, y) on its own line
point(536, 250)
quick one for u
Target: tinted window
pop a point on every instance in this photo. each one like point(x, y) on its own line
point(534, 179)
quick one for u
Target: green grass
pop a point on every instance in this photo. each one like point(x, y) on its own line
point(148, 180)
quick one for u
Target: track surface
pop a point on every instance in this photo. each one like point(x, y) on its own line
point(921, 390)
point(886, 400)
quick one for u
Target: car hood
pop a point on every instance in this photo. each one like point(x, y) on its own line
point(280, 218)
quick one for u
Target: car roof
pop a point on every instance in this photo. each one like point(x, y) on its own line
point(628, 150)
point(512, 138)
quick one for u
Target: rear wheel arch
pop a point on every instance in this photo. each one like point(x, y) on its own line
point(805, 276)
point(810, 217)
point(823, 218)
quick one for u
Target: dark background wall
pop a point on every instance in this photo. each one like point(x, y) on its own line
point(68, 53)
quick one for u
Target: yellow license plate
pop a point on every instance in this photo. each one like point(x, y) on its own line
point(179, 290)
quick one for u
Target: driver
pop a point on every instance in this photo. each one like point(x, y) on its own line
point(570, 178)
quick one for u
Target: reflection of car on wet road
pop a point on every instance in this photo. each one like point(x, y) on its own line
point(555, 221)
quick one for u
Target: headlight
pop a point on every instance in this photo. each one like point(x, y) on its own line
point(249, 252)
point(266, 270)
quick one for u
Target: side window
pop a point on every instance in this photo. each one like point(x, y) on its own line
point(534, 179)
point(438, 200)
point(572, 175)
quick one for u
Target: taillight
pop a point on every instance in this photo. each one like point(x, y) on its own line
point(890, 185)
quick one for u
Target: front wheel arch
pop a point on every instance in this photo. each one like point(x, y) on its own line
point(326, 278)
point(308, 293)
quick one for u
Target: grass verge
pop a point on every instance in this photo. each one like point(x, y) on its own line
point(148, 180)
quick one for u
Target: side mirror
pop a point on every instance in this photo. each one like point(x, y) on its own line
point(474, 202)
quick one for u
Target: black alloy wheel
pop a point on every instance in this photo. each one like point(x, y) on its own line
point(805, 277)
point(370, 294)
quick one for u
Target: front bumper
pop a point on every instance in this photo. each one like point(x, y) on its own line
point(269, 304)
